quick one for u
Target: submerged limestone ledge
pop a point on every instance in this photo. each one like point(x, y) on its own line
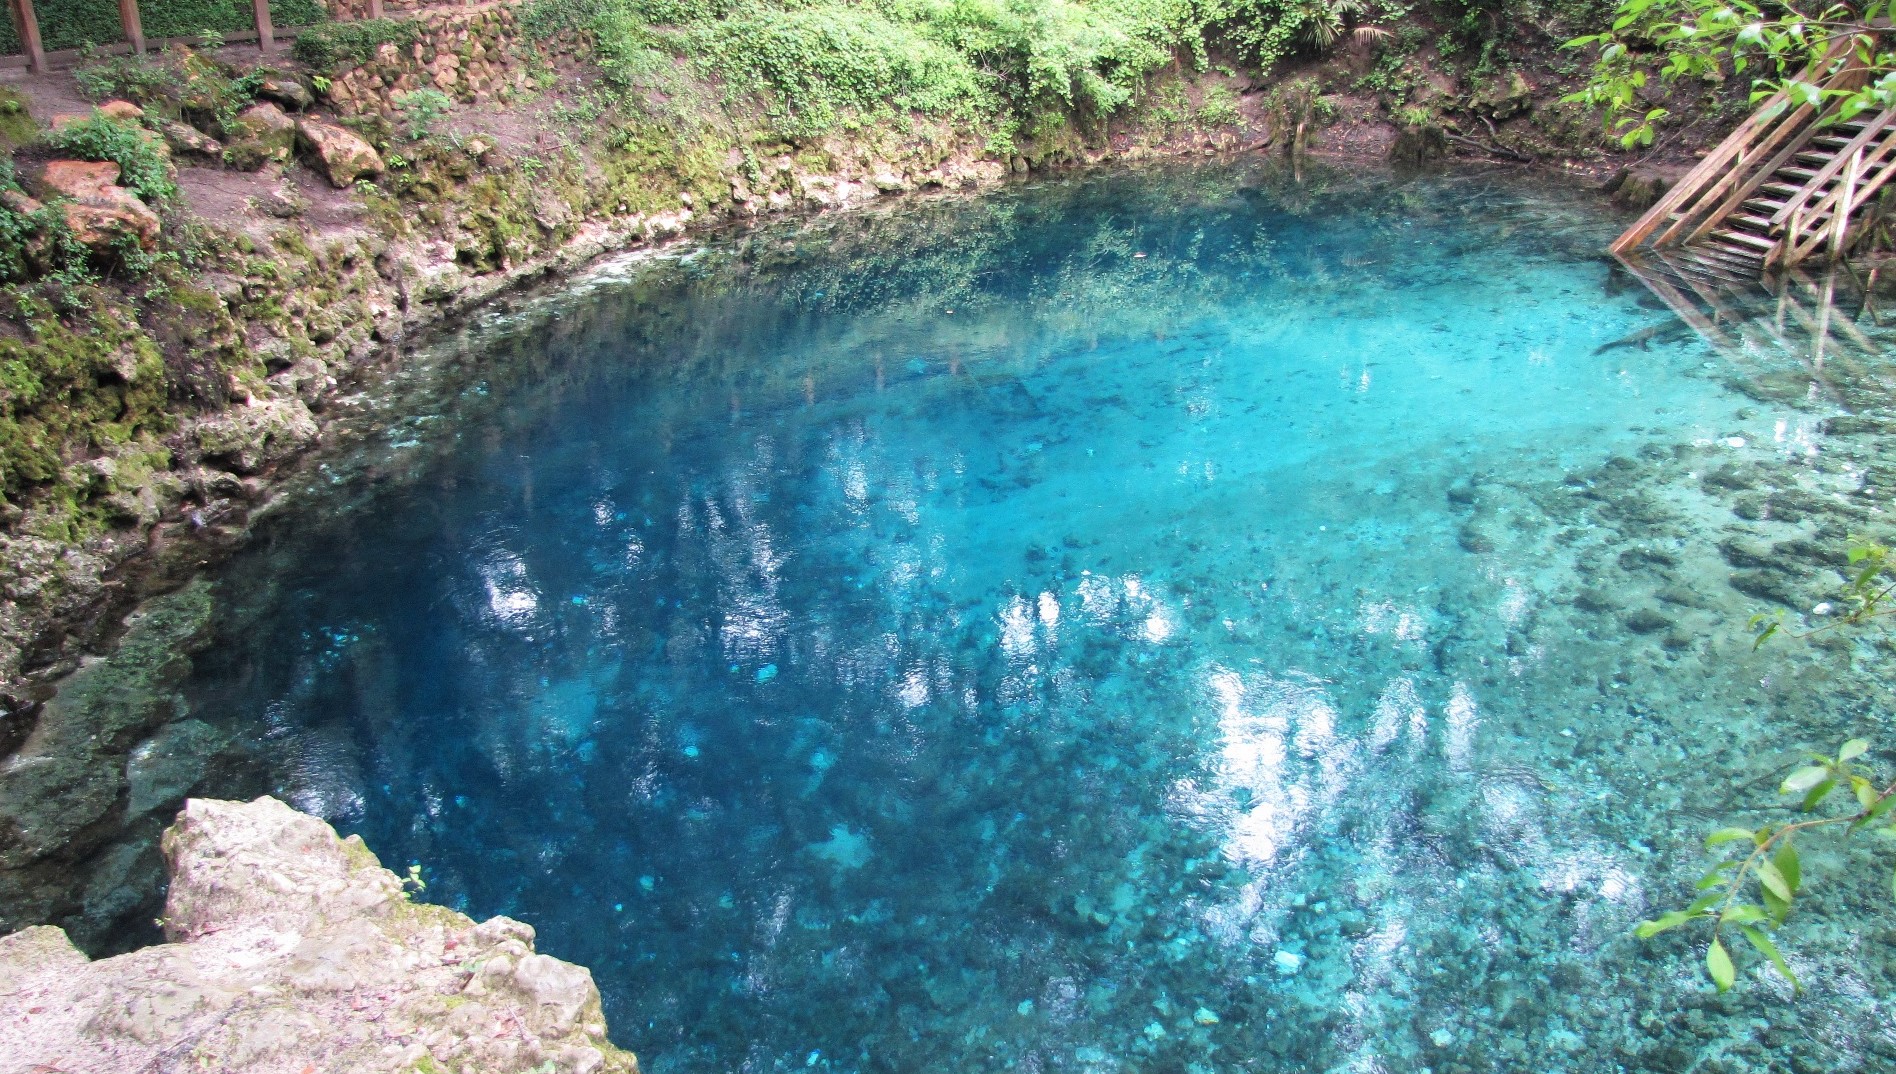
point(293, 950)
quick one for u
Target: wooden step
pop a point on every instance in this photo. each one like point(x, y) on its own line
point(1744, 239)
point(1830, 141)
point(1693, 262)
point(1744, 263)
point(1767, 206)
point(1796, 172)
point(1815, 158)
point(1750, 222)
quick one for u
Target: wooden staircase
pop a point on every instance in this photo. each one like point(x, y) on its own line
point(1788, 186)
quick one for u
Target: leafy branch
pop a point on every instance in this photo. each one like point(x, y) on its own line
point(1782, 46)
point(1753, 895)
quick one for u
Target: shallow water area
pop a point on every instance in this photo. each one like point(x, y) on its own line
point(1200, 619)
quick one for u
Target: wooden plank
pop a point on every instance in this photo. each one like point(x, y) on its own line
point(134, 26)
point(266, 35)
point(27, 22)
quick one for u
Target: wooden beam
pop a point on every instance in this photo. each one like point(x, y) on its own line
point(134, 26)
point(27, 23)
point(266, 35)
point(375, 9)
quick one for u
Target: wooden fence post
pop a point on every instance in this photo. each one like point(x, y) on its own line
point(266, 34)
point(134, 27)
point(375, 9)
point(28, 24)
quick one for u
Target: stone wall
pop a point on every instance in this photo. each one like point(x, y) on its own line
point(473, 55)
point(359, 9)
point(292, 950)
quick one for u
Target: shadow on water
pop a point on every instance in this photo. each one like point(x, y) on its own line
point(1198, 619)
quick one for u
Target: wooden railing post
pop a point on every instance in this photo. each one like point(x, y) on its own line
point(28, 25)
point(134, 27)
point(375, 9)
point(266, 34)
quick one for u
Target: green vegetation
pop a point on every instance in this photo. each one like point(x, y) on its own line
point(421, 108)
point(1751, 894)
point(139, 155)
point(1009, 64)
point(333, 45)
point(1709, 41)
point(76, 23)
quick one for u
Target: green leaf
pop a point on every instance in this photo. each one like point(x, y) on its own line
point(1728, 835)
point(1646, 930)
point(1779, 909)
point(1864, 790)
point(1853, 749)
point(1769, 950)
point(1875, 812)
point(1743, 914)
point(1718, 964)
point(1803, 779)
point(1817, 795)
point(1774, 881)
point(1789, 867)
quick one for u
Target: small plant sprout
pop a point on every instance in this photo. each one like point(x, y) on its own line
point(1751, 894)
point(421, 108)
point(413, 880)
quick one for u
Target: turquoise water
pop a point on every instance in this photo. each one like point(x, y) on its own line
point(1198, 620)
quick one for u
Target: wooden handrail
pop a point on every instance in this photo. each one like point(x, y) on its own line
point(1767, 119)
point(1874, 129)
point(1840, 203)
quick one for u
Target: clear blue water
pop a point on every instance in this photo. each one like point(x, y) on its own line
point(1175, 621)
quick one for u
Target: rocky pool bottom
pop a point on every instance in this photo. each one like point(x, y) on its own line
point(1201, 619)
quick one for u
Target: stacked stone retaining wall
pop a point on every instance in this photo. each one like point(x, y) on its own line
point(471, 54)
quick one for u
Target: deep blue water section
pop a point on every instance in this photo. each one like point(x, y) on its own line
point(1175, 621)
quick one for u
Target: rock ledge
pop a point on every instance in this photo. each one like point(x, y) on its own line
point(294, 951)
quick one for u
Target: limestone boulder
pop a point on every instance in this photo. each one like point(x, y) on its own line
point(342, 155)
point(100, 213)
point(260, 135)
point(292, 950)
point(287, 92)
point(123, 111)
point(249, 439)
point(1639, 186)
point(184, 138)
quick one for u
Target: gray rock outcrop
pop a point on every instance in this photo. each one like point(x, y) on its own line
point(293, 950)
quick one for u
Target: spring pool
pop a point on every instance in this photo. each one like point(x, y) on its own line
point(1193, 620)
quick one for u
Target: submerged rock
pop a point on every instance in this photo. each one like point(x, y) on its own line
point(290, 950)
